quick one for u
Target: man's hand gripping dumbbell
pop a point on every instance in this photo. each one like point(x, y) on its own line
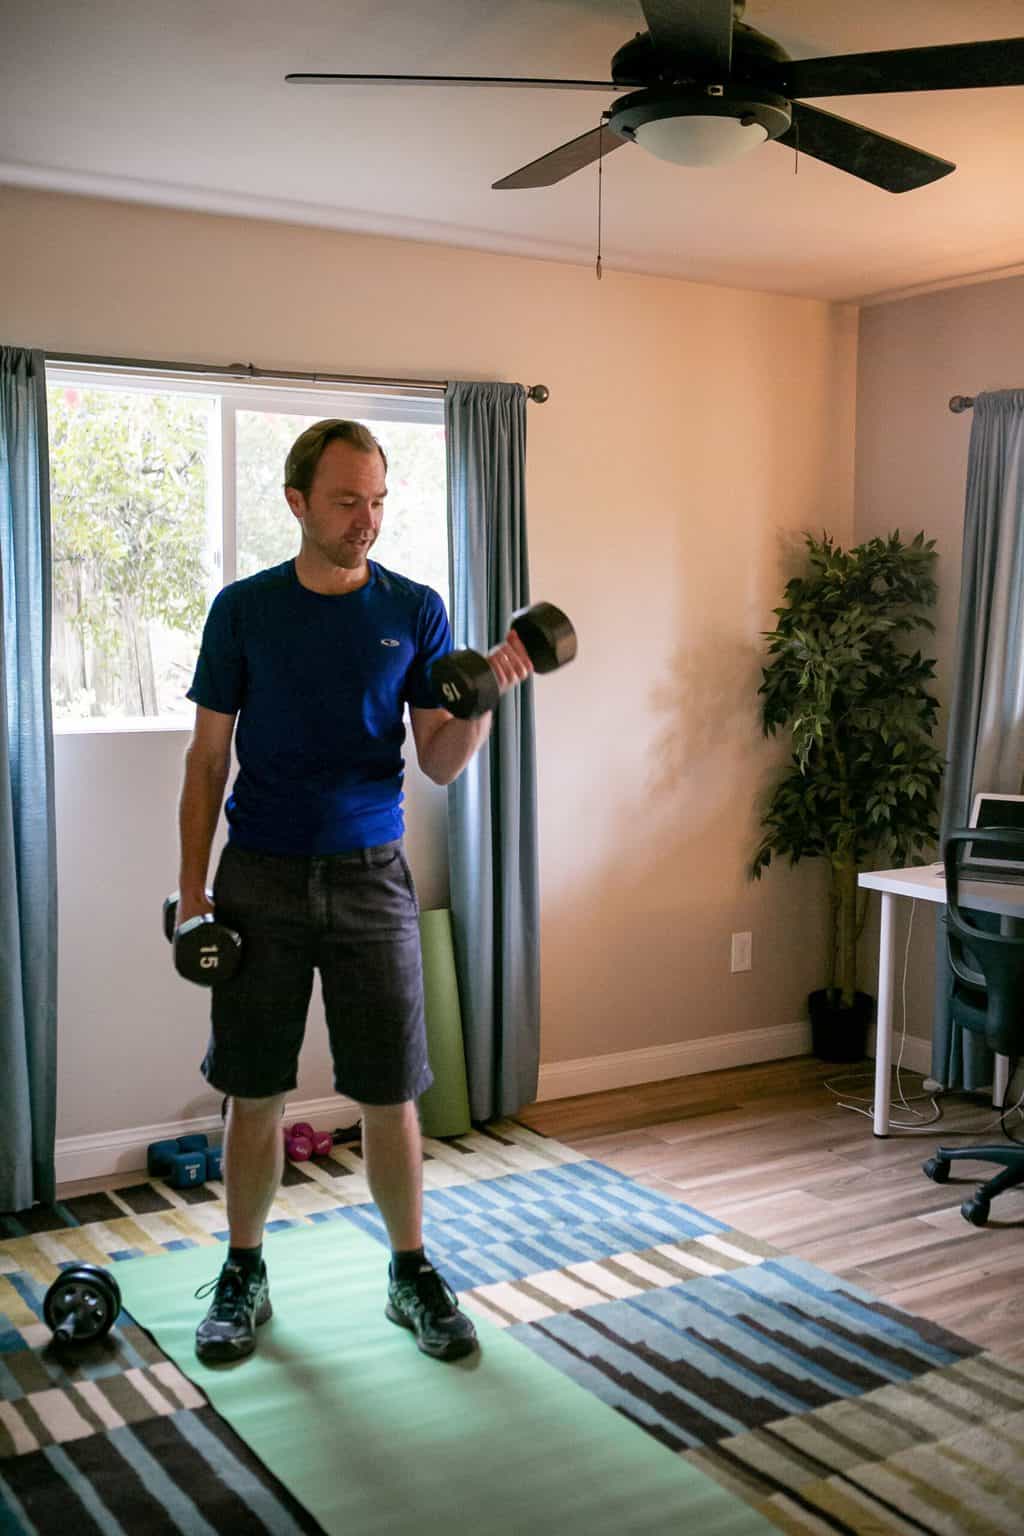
point(540, 639)
point(205, 951)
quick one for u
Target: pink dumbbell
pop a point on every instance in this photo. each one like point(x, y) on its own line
point(301, 1142)
point(298, 1143)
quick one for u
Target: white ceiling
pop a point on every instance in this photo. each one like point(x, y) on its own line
point(183, 103)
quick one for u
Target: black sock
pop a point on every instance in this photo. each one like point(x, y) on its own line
point(407, 1263)
point(247, 1259)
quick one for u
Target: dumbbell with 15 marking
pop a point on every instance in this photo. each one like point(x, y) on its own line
point(205, 951)
point(466, 684)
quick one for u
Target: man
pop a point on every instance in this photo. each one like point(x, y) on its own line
point(317, 659)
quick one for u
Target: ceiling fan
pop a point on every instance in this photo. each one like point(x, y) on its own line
point(703, 87)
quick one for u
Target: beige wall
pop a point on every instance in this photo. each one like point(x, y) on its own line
point(911, 474)
point(691, 433)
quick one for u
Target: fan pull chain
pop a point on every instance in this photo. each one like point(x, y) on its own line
point(796, 148)
point(600, 179)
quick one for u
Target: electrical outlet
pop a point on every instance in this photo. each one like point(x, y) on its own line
point(742, 952)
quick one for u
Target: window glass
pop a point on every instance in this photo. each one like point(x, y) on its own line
point(159, 493)
point(131, 552)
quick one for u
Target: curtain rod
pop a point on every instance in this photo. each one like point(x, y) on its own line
point(538, 392)
point(960, 403)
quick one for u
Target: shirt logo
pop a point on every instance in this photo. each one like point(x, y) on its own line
point(391, 642)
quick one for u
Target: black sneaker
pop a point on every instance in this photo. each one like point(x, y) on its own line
point(428, 1305)
point(240, 1303)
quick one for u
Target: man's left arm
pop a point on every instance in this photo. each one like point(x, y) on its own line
point(445, 743)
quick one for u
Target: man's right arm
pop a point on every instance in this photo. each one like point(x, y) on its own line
point(207, 764)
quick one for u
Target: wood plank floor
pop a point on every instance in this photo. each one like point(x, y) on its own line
point(768, 1149)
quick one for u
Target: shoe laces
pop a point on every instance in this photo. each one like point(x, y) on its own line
point(228, 1289)
point(433, 1292)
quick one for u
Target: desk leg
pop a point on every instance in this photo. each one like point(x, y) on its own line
point(1001, 1064)
point(883, 1031)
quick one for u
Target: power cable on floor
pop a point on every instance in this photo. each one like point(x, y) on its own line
point(918, 1126)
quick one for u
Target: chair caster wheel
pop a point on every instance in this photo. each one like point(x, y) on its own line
point(976, 1210)
point(937, 1168)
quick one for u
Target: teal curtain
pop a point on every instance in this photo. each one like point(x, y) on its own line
point(492, 812)
point(28, 872)
point(985, 744)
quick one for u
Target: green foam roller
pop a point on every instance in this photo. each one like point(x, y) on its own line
point(444, 1108)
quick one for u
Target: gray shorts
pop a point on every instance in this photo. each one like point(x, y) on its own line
point(353, 917)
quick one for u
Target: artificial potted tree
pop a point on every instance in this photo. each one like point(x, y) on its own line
point(861, 788)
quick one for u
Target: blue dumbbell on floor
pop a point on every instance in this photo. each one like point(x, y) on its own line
point(186, 1162)
point(187, 1170)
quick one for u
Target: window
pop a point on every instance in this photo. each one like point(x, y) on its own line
point(166, 488)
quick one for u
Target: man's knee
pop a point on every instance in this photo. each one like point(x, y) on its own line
point(406, 1113)
point(252, 1110)
point(392, 1120)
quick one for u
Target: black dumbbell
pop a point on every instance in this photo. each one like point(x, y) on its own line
point(205, 951)
point(465, 683)
point(82, 1304)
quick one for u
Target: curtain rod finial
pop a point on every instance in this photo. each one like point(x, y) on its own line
point(960, 403)
point(538, 392)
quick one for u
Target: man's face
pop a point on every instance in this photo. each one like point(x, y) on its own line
point(342, 514)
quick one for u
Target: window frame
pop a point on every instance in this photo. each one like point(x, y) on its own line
point(405, 404)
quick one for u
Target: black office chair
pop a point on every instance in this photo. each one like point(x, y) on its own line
point(988, 998)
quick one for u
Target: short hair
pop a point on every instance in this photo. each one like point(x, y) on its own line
point(305, 453)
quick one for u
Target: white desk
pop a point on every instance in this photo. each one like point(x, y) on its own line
point(925, 883)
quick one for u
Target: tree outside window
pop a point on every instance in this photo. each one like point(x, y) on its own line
point(128, 495)
point(137, 555)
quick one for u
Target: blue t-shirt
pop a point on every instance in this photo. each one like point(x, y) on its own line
point(319, 685)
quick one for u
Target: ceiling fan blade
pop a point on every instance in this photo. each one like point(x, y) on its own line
point(698, 30)
point(887, 163)
point(558, 85)
point(559, 163)
point(948, 67)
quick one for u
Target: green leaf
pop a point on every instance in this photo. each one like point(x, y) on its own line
point(851, 688)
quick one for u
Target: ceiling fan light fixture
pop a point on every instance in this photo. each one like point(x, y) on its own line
point(703, 127)
point(697, 141)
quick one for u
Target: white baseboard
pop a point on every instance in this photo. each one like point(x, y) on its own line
point(684, 1058)
point(107, 1152)
point(93, 1157)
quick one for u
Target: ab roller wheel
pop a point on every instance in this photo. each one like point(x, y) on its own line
point(81, 1305)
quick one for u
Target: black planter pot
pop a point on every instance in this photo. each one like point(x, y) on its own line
point(840, 1034)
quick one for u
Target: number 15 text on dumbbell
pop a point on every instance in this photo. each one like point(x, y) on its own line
point(205, 951)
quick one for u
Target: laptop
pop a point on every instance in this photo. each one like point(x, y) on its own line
point(997, 861)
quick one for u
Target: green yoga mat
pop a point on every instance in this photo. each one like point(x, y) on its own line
point(444, 1108)
point(376, 1439)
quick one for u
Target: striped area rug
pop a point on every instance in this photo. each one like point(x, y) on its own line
point(822, 1407)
